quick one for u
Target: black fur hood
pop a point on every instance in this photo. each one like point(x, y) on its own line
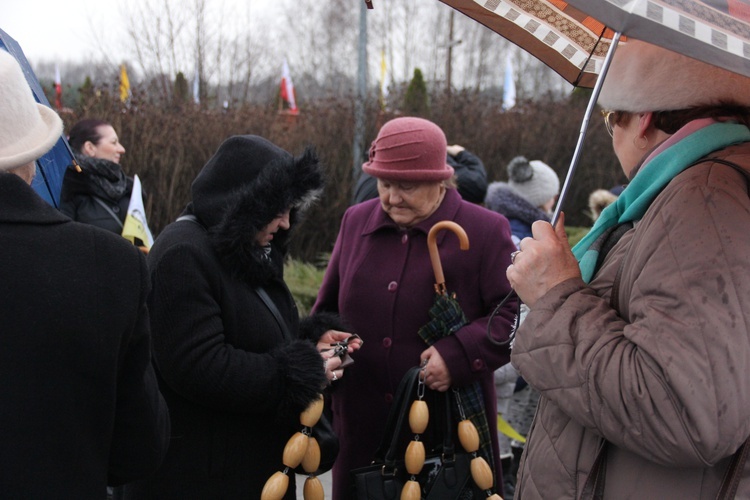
point(246, 184)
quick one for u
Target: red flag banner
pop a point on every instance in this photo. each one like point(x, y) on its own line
point(287, 89)
point(58, 88)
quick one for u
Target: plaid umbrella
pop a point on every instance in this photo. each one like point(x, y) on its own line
point(447, 317)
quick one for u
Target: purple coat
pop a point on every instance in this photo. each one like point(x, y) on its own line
point(381, 281)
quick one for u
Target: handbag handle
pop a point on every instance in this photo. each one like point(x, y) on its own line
point(399, 412)
point(733, 475)
point(272, 307)
point(386, 452)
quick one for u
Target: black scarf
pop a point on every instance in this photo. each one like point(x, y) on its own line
point(104, 176)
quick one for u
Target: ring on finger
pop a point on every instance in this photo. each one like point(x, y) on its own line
point(513, 256)
point(335, 377)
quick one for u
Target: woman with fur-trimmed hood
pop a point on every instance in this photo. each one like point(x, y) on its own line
point(235, 382)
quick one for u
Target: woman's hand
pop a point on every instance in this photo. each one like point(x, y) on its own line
point(334, 336)
point(333, 361)
point(545, 260)
point(436, 374)
point(331, 364)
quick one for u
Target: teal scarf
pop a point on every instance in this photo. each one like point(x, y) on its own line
point(649, 182)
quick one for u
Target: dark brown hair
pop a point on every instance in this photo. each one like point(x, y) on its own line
point(85, 130)
point(672, 121)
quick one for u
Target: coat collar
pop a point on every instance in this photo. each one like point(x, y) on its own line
point(379, 220)
point(19, 203)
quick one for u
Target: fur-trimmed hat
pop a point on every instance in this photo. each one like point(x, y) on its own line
point(247, 183)
point(254, 172)
point(534, 180)
point(409, 149)
point(644, 77)
point(27, 129)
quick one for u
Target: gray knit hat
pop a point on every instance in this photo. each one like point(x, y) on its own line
point(534, 180)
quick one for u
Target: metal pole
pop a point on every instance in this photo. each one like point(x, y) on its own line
point(359, 106)
point(585, 125)
point(449, 59)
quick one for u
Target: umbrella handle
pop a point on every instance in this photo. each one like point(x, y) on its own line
point(437, 266)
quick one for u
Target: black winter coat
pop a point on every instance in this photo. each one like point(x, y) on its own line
point(235, 383)
point(79, 398)
point(98, 195)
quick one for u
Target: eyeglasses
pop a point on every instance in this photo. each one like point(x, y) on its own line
point(610, 119)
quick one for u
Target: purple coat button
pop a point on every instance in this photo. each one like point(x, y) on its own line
point(392, 286)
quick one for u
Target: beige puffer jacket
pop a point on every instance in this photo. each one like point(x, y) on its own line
point(667, 379)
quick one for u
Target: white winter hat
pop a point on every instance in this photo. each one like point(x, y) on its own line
point(27, 129)
point(644, 77)
point(534, 180)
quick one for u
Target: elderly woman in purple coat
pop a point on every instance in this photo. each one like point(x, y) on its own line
point(380, 281)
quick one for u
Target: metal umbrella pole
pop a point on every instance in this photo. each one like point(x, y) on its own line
point(584, 127)
point(566, 185)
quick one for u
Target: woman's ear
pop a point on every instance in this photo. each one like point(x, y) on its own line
point(645, 123)
point(89, 148)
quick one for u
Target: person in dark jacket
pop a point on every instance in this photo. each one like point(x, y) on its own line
point(528, 196)
point(100, 193)
point(236, 378)
point(80, 402)
point(470, 177)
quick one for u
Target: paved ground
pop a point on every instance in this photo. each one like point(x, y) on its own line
point(324, 478)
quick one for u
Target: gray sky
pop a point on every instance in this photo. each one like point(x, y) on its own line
point(60, 30)
point(48, 29)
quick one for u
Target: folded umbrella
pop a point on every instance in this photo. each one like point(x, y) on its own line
point(447, 317)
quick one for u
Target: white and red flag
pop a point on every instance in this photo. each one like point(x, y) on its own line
point(287, 89)
point(58, 88)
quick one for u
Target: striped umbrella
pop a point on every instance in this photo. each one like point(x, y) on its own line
point(577, 38)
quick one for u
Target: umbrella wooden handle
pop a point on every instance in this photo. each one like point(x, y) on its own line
point(437, 267)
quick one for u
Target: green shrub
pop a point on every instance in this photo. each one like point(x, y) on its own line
point(303, 280)
point(575, 233)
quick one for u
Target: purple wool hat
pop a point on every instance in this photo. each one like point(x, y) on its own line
point(409, 149)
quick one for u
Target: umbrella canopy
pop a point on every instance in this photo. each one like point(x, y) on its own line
point(566, 39)
point(50, 167)
point(581, 35)
point(447, 317)
point(713, 31)
point(573, 37)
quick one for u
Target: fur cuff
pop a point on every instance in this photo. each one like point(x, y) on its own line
point(314, 326)
point(303, 374)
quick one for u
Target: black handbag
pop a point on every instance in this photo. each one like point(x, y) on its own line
point(328, 441)
point(446, 473)
point(323, 431)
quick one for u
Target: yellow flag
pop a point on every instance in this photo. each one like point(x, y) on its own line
point(504, 427)
point(383, 85)
point(124, 84)
point(136, 225)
